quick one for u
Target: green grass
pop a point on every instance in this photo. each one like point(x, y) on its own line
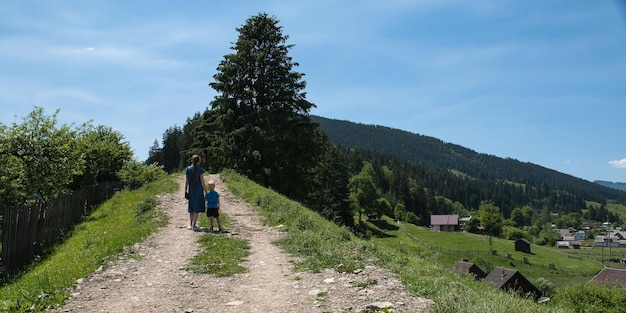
point(219, 254)
point(319, 244)
point(125, 219)
point(452, 246)
point(316, 243)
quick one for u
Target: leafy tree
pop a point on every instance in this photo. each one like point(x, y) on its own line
point(364, 191)
point(411, 218)
point(104, 153)
point(38, 159)
point(514, 233)
point(472, 225)
point(399, 211)
point(259, 122)
point(381, 207)
point(517, 217)
point(491, 220)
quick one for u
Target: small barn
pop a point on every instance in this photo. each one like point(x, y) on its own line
point(610, 277)
point(444, 222)
point(522, 245)
point(512, 281)
point(465, 267)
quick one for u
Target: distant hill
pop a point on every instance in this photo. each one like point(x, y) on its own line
point(435, 153)
point(618, 186)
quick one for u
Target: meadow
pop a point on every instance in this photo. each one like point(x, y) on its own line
point(568, 267)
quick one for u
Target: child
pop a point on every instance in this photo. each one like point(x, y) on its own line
point(213, 205)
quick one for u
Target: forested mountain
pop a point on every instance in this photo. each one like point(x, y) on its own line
point(465, 174)
point(620, 186)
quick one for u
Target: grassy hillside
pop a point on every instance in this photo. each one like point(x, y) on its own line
point(453, 246)
point(321, 244)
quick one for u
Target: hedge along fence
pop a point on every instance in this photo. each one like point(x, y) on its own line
point(27, 231)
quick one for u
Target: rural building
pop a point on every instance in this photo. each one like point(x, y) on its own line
point(444, 222)
point(465, 267)
point(512, 281)
point(562, 232)
point(580, 235)
point(522, 245)
point(561, 244)
point(463, 221)
point(566, 244)
point(610, 277)
point(602, 241)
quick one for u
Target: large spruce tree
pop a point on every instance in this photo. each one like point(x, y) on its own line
point(259, 122)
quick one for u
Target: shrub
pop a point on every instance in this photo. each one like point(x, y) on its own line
point(135, 174)
point(592, 298)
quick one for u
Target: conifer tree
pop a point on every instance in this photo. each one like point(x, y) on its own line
point(259, 122)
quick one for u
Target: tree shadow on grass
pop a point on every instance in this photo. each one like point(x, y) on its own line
point(382, 228)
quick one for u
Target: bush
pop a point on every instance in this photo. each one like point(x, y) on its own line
point(514, 233)
point(546, 287)
point(592, 298)
point(135, 174)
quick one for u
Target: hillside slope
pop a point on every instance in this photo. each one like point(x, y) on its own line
point(618, 186)
point(434, 153)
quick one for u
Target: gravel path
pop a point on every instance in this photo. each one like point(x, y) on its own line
point(157, 282)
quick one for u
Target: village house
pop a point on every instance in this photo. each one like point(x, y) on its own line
point(580, 235)
point(605, 241)
point(610, 277)
point(512, 281)
point(566, 244)
point(465, 267)
point(444, 222)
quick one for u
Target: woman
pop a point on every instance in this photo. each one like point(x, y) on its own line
point(194, 186)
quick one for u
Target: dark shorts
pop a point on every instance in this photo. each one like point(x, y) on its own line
point(215, 212)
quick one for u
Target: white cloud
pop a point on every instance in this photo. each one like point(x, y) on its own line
point(618, 163)
point(69, 93)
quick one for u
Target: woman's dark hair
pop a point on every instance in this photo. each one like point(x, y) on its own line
point(195, 160)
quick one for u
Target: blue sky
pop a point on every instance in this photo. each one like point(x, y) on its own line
point(537, 81)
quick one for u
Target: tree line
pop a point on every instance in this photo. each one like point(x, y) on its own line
point(42, 160)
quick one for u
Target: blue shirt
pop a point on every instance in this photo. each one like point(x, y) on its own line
point(211, 199)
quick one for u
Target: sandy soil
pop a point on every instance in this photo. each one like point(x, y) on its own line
point(158, 282)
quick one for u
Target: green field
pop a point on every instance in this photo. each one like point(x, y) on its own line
point(569, 266)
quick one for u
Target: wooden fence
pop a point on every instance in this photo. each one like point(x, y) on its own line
point(27, 231)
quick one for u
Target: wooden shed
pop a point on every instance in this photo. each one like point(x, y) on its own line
point(512, 281)
point(522, 245)
point(463, 266)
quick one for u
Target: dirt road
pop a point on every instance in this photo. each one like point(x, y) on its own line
point(158, 282)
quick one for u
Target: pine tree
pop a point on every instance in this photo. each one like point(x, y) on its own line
point(259, 122)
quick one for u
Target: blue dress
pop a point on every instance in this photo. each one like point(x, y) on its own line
point(196, 195)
